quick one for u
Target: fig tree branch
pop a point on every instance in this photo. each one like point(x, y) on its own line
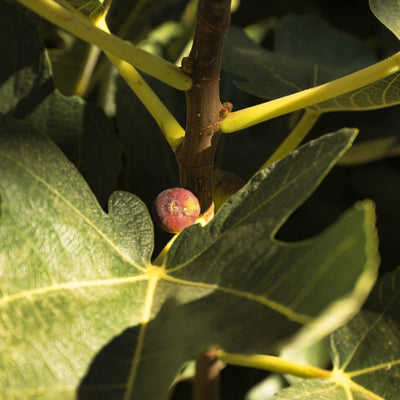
point(195, 155)
point(207, 378)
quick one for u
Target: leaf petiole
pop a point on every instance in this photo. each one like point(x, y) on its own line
point(81, 27)
point(250, 116)
point(273, 364)
point(291, 142)
point(169, 126)
point(159, 261)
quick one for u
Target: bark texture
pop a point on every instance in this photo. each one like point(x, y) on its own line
point(195, 155)
point(207, 378)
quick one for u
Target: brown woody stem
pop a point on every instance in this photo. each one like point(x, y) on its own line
point(195, 155)
point(206, 380)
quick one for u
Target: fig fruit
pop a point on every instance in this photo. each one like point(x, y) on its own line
point(176, 208)
point(225, 184)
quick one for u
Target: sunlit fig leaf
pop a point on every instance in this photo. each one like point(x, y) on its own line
point(371, 357)
point(65, 269)
point(85, 314)
point(365, 352)
point(83, 132)
point(388, 12)
point(383, 93)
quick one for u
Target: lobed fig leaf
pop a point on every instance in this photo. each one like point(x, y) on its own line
point(104, 322)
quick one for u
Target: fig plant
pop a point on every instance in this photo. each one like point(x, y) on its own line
point(95, 303)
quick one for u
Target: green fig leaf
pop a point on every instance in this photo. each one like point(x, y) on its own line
point(84, 312)
point(307, 53)
point(304, 57)
point(365, 352)
point(63, 264)
point(82, 131)
point(388, 12)
point(367, 349)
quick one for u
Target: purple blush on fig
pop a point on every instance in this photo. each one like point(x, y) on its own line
point(175, 209)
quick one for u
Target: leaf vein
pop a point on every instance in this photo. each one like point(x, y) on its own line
point(154, 275)
point(287, 312)
point(75, 210)
point(6, 300)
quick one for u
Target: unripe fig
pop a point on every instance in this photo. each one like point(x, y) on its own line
point(225, 185)
point(175, 209)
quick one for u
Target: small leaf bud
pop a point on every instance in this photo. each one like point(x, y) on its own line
point(225, 184)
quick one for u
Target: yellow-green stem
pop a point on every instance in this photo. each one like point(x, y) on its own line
point(81, 27)
point(159, 261)
point(300, 131)
point(122, 32)
point(91, 58)
point(247, 117)
point(170, 127)
point(167, 123)
point(273, 364)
